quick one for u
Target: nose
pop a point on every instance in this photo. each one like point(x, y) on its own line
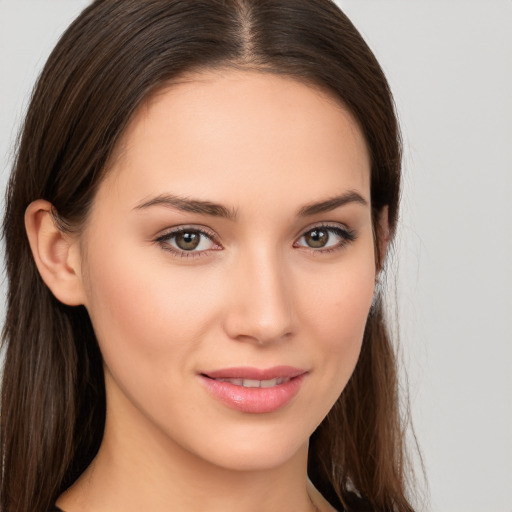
point(260, 303)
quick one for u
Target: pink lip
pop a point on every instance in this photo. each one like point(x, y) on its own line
point(254, 400)
point(249, 372)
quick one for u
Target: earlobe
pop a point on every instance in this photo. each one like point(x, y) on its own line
point(55, 253)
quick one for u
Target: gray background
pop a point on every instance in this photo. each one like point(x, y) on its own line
point(450, 67)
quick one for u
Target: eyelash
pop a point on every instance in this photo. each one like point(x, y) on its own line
point(164, 239)
point(347, 236)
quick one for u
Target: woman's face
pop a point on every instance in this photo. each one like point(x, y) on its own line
point(228, 268)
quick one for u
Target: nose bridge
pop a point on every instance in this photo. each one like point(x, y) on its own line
point(261, 307)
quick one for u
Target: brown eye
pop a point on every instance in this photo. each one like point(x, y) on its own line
point(325, 238)
point(187, 240)
point(316, 238)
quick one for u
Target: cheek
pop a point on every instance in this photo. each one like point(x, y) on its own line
point(337, 315)
point(143, 311)
point(339, 300)
point(349, 311)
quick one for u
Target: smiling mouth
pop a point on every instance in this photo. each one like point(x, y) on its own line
point(254, 390)
point(253, 383)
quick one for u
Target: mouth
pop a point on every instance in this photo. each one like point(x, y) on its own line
point(250, 373)
point(253, 390)
point(253, 383)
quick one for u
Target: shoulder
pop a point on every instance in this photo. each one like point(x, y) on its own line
point(330, 502)
point(353, 503)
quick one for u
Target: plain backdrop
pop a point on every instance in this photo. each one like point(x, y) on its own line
point(450, 66)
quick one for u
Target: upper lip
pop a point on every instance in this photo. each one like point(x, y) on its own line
point(249, 372)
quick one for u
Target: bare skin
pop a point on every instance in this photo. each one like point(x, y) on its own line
point(272, 281)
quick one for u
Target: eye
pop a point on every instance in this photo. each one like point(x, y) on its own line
point(324, 238)
point(188, 241)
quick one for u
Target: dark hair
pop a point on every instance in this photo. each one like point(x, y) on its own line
point(112, 58)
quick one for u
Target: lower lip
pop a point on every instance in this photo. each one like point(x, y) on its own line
point(254, 400)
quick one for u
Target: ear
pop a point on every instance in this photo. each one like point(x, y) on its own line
point(56, 254)
point(383, 236)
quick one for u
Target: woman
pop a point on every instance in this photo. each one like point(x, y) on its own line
point(200, 209)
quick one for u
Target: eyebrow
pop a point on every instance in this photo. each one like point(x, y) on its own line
point(201, 207)
point(186, 204)
point(331, 204)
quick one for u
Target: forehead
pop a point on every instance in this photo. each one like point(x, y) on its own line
point(227, 133)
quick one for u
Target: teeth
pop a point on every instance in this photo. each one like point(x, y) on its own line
point(252, 383)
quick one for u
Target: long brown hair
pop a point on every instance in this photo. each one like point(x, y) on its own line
point(114, 55)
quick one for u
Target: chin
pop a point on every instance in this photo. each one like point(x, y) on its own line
point(259, 448)
point(259, 456)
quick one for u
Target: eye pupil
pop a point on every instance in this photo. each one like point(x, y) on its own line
point(317, 238)
point(188, 240)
